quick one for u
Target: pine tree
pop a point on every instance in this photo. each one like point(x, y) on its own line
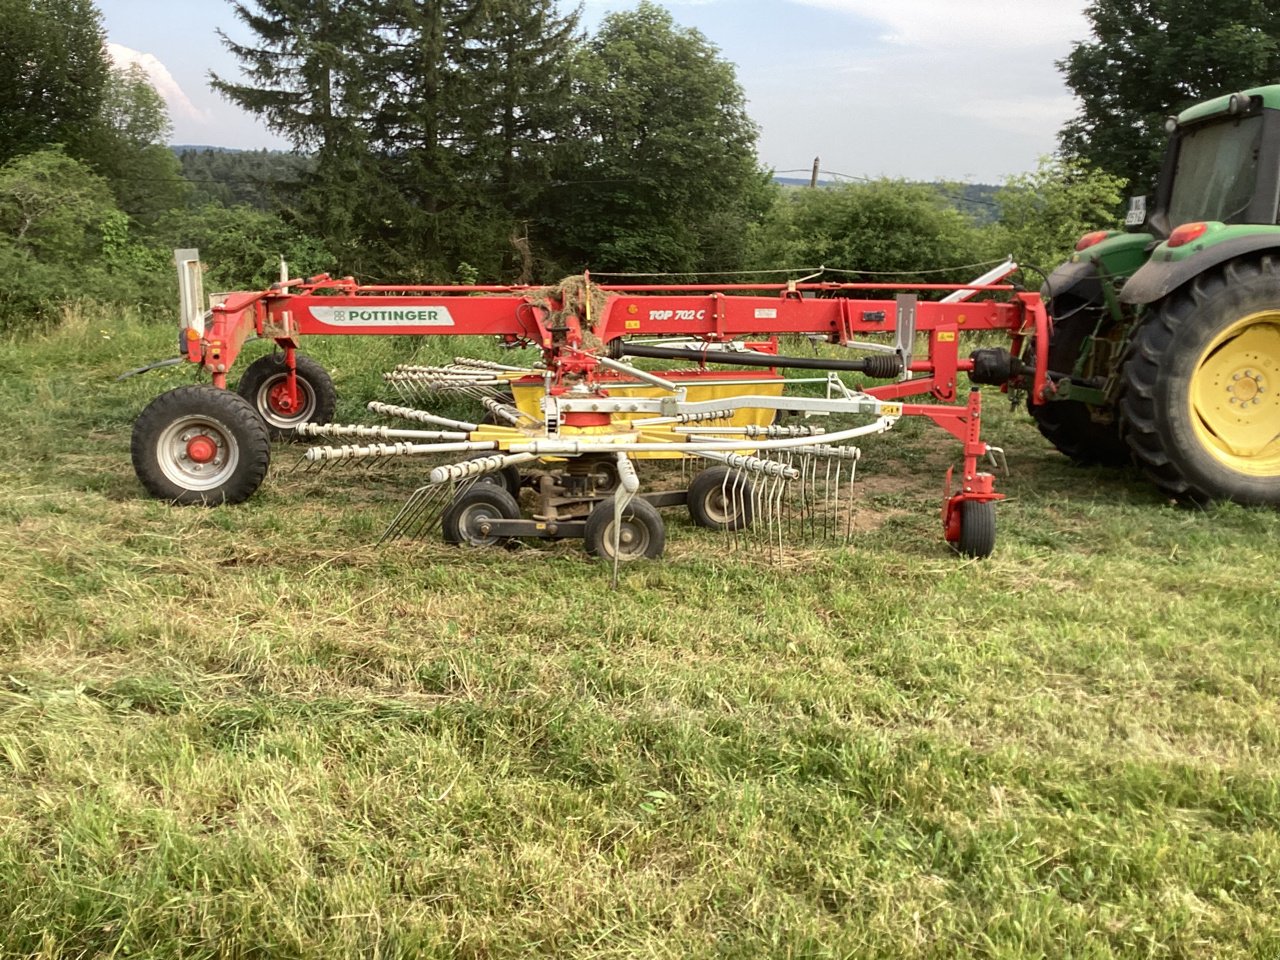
point(311, 76)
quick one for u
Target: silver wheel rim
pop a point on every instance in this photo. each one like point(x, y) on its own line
point(469, 520)
point(173, 453)
point(262, 401)
point(719, 507)
point(633, 540)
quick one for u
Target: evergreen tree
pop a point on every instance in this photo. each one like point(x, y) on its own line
point(1148, 59)
point(312, 76)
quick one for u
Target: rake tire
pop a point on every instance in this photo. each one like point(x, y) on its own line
point(200, 445)
point(643, 533)
point(265, 378)
point(461, 520)
point(708, 506)
point(977, 529)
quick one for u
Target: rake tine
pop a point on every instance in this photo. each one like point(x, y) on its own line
point(848, 523)
point(826, 511)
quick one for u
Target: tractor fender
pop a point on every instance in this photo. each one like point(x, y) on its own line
point(1080, 279)
point(1157, 279)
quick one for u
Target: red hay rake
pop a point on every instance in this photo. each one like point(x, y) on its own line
point(566, 432)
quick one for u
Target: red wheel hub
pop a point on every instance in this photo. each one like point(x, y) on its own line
point(201, 449)
point(281, 402)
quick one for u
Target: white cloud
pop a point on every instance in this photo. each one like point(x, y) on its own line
point(990, 25)
point(180, 105)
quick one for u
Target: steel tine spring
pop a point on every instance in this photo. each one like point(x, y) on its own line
point(848, 521)
point(758, 509)
point(729, 497)
point(826, 505)
point(393, 529)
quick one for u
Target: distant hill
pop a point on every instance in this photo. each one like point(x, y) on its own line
point(975, 199)
point(229, 176)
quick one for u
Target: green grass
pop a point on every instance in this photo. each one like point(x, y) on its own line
point(249, 732)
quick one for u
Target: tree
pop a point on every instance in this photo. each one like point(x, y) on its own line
point(1043, 214)
point(666, 178)
point(313, 76)
point(1148, 59)
point(127, 145)
point(53, 210)
point(431, 124)
point(53, 70)
point(894, 227)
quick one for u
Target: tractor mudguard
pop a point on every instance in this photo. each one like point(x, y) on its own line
point(1105, 261)
point(1157, 279)
point(1080, 279)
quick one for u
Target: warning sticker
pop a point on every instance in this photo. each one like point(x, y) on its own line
point(766, 313)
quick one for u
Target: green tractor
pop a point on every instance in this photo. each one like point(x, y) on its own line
point(1166, 340)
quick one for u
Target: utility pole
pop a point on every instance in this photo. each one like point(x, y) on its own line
point(813, 178)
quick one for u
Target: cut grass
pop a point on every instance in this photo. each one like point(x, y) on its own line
point(247, 731)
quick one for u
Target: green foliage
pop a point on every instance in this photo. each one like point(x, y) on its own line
point(62, 238)
point(242, 246)
point(667, 153)
point(262, 179)
point(887, 226)
point(53, 71)
point(127, 147)
point(1044, 213)
point(1148, 59)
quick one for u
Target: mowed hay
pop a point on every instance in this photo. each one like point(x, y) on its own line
point(249, 732)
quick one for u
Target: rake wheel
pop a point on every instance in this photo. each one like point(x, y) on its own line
point(642, 533)
point(265, 385)
point(200, 445)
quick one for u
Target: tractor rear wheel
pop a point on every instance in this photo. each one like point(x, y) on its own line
point(265, 384)
point(200, 445)
point(1070, 425)
point(1201, 402)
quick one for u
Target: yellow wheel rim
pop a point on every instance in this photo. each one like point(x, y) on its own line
point(1235, 396)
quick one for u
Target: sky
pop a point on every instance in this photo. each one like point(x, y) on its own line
point(961, 90)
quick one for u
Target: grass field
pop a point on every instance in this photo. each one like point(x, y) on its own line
point(250, 732)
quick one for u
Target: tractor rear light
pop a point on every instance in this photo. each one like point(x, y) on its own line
point(1187, 233)
point(1089, 239)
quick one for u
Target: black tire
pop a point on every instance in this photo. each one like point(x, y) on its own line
point(720, 499)
point(200, 445)
point(977, 529)
point(262, 385)
point(1201, 403)
point(463, 517)
point(508, 478)
point(643, 533)
point(1069, 424)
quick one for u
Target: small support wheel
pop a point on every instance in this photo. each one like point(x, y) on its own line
point(977, 529)
point(200, 445)
point(641, 532)
point(720, 499)
point(466, 518)
point(265, 384)
point(508, 478)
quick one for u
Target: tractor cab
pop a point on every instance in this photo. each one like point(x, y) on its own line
point(1222, 164)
